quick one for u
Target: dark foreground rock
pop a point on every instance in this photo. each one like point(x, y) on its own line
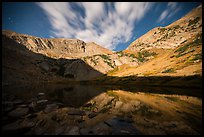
point(19, 112)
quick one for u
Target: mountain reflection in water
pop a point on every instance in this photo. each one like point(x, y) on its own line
point(142, 110)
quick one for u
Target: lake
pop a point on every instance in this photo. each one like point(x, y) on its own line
point(58, 109)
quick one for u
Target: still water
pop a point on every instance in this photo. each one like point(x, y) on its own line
point(94, 109)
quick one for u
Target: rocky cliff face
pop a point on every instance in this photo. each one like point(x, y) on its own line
point(101, 59)
point(57, 47)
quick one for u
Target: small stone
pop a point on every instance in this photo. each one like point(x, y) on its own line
point(92, 115)
point(41, 94)
point(80, 120)
point(153, 111)
point(87, 105)
point(42, 101)
point(60, 105)
point(41, 122)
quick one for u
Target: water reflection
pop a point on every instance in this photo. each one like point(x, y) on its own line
point(147, 110)
point(77, 95)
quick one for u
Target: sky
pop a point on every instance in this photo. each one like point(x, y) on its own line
point(113, 25)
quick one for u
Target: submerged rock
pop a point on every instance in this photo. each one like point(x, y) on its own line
point(41, 94)
point(51, 107)
point(17, 128)
point(17, 101)
point(45, 66)
point(92, 115)
point(23, 105)
point(31, 116)
point(38, 105)
point(18, 112)
point(121, 126)
point(74, 131)
point(99, 129)
point(59, 130)
point(73, 111)
point(44, 101)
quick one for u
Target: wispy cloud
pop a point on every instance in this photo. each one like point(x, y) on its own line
point(107, 24)
point(172, 9)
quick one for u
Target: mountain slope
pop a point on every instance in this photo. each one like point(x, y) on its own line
point(171, 36)
point(178, 47)
point(20, 65)
point(99, 58)
point(57, 47)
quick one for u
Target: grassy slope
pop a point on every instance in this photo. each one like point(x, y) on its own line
point(185, 60)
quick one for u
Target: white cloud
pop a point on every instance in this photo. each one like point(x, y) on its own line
point(172, 5)
point(93, 11)
point(163, 15)
point(106, 26)
point(172, 9)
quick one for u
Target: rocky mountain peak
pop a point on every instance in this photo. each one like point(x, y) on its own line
point(171, 36)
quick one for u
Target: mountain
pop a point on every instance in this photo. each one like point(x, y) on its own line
point(57, 47)
point(101, 59)
point(174, 50)
point(177, 48)
point(21, 65)
point(171, 36)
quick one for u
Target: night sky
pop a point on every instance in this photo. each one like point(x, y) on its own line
point(113, 25)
